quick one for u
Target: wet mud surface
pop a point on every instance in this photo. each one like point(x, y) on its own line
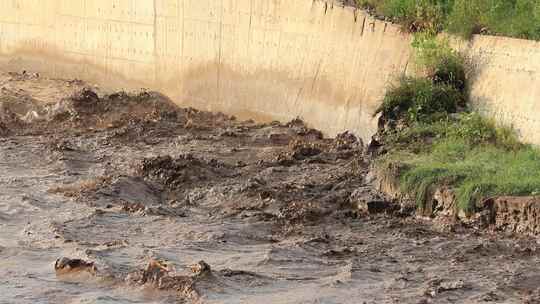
point(125, 198)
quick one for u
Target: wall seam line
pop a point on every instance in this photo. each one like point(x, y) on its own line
point(156, 61)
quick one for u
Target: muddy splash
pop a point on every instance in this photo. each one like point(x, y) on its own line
point(125, 198)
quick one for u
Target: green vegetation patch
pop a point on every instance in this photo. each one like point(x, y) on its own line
point(416, 99)
point(435, 141)
point(443, 91)
point(469, 155)
point(475, 172)
point(513, 18)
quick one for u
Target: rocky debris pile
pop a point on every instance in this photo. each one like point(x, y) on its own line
point(84, 109)
point(301, 149)
point(174, 173)
point(3, 129)
point(87, 109)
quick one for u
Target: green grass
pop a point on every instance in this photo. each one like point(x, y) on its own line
point(467, 153)
point(513, 18)
point(469, 127)
point(475, 172)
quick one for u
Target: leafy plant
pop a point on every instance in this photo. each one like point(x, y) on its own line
point(442, 64)
point(417, 99)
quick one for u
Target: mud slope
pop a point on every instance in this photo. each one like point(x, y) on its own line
point(124, 198)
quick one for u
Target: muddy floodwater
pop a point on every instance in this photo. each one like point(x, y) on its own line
point(125, 198)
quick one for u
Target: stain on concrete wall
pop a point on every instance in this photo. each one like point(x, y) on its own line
point(268, 59)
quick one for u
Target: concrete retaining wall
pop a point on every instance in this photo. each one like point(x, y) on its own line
point(506, 82)
point(267, 59)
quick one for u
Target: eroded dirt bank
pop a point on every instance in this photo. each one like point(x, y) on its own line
point(125, 198)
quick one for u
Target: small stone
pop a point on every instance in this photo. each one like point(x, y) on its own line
point(64, 266)
point(201, 268)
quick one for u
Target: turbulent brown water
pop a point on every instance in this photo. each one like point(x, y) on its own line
point(125, 198)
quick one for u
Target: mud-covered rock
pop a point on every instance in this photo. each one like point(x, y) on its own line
point(347, 141)
point(279, 138)
point(201, 268)
point(438, 286)
point(367, 201)
point(295, 123)
point(3, 129)
point(64, 266)
point(301, 149)
point(159, 275)
point(299, 127)
point(300, 212)
point(85, 97)
point(61, 145)
point(532, 297)
point(133, 207)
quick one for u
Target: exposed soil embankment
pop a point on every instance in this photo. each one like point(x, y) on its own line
point(126, 198)
point(512, 214)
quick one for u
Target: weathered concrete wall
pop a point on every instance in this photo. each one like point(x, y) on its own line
point(269, 59)
point(506, 82)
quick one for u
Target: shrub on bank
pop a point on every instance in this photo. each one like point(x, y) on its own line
point(442, 64)
point(417, 99)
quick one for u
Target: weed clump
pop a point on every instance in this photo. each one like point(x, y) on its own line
point(442, 92)
point(440, 62)
point(417, 99)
